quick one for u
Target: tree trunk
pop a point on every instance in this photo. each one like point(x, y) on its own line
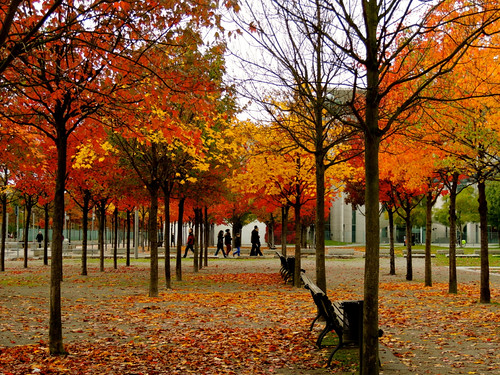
point(428, 237)
point(178, 263)
point(271, 231)
point(452, 285)
point(27, 219)
point(128, 238)
point(297, 281)
point(56, 346)
point(153, 240)
point(485, 294)
point(3, 198)
point(369, 350)
point(392, 258)
point(115, 239)
point(370, 362)
point(207, 236)
point(101, 219)
point(320, 223)
point(46, 235)
point(284, 228)
point(198, 245)
point(124, 231)
point(168, 275)
point(85, 227)
point(195, 247)
point(409, 258)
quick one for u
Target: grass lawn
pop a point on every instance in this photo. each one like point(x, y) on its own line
point(443, 260)
point(440, 259)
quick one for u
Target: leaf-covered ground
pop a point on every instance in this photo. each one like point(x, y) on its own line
point(237, 317)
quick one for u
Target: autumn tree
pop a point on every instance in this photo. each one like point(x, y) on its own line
point(408, 176)
point(280, 175)
point(469, 130)
point(22, 28)
point(96, 176)
point(58, 87)
point(443, 178)
point(298, 66)
point(56, 119)
point(392, 78)
point(229, 200)
point(167, 144)
point(201, 175)
point(208, 189)
point(145, 153)
point(376, 51)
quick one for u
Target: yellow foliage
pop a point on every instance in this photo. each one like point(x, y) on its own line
point(275, 167)
point(84, 157)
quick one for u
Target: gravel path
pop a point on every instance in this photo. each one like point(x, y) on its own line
point(426, 330)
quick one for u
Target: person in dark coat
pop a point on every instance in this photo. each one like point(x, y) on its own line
point(220, 243)
point(228, 241)
point(39, 238)
point(255, 239)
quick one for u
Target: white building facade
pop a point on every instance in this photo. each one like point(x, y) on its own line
point(347, 225)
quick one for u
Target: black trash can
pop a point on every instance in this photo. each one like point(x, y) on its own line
point(353, 321)
point(353, 326)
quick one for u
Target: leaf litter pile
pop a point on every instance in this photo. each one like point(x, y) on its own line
point(231, 320)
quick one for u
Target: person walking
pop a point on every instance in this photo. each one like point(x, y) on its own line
point(220, 243)
point(237, 244)
point(39, 238)
point(228, 241)
point(255, 239)
point(190, 243)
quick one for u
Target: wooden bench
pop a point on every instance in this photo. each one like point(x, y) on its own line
point(340, 252)
point(345, 318)
point(287, 269)
point(490, 252)
point(330, 313)
point(447, 252)
point(417, 253)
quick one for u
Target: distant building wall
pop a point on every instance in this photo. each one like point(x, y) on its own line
point(346, 224)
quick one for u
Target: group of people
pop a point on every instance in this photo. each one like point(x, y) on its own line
point(225, 239)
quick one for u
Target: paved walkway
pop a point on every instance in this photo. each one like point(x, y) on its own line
point(423, 342)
